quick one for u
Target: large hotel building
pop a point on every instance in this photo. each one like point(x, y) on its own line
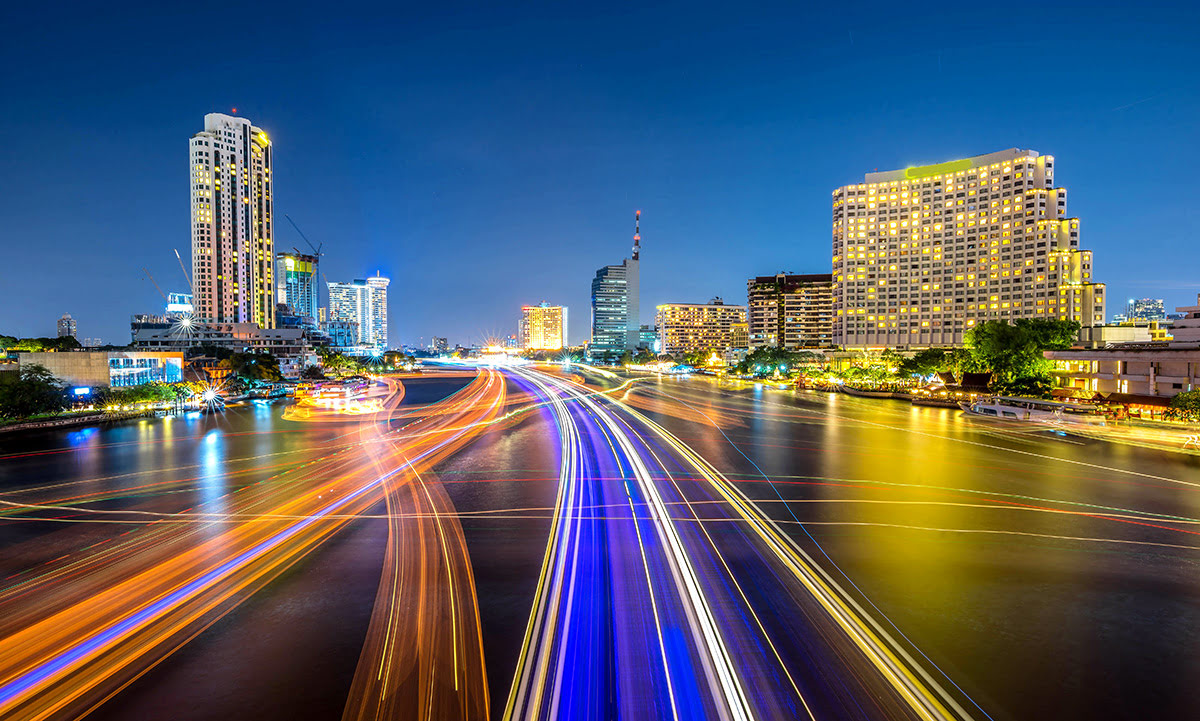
point(543, 327)
point(923, 254)
point(233, 253)
point(699, 327)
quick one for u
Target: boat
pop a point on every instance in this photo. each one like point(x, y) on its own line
point(1034, 409)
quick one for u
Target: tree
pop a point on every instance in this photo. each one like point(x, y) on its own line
point(1187, 404)
point(1014, 350)
point(31, 391)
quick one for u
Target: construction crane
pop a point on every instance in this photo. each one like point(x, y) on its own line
point(316, 249)
point(152, 280)
point(188, 278)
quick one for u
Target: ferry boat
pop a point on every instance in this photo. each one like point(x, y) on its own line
point(1034, 409)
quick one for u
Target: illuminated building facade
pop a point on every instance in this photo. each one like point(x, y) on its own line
point(790, 311)
point(362, 301)
point(1145, 309)
point(297, 275)
point(66, 326)
point(543, 327)
point(233, 252)
point(616, 323)
point(923, 254)
point(698, 327)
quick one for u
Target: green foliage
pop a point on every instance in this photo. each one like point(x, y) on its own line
point(35, 345)
point(1014, 350)
point(254, 367)
point(765, 360)
point(29, 392)
point(1187, 403)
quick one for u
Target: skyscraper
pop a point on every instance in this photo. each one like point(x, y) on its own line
point(362, 301)
point(923, 254)
point(232, 222)
point(297, 275)
point(543, 327)
point(616, 323)
point(66, 326)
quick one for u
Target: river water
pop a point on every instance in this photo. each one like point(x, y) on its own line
point(1049, 577)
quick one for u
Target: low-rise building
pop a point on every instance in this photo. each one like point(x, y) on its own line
point(697, 327)
point(108, 368)
point(1145, 370)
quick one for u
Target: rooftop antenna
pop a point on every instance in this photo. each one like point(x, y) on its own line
point(637, 235)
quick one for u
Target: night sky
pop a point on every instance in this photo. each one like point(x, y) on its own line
point(486, 158)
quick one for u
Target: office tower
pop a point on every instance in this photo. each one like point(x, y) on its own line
point(921, 255)
point(790, 311)
point(233, 250)
point(697, 327)
point(66, 326)
point(543, 327)
point(1145, 309)
point(297, 274)
point(362, 301)
point(615, 311)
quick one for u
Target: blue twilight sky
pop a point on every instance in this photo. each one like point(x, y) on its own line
point(487, 157)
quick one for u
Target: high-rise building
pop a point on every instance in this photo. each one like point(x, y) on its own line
point(297, 276)
point(543, 327)
point(1145, 309)
point(923, 254)
point(790, 311)
point(615, 309)
point(233, 251)
point(697, 327)
point(66, 326)
point(362, 301)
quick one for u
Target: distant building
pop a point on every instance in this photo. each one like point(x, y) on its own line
point(790, 311)
point(1145, 309)
point(616, 312)
point(109, 368)
point(362, 301)
point(233, 249)
point(648, 338)
point(697, 327)
point(438, 344)
point(921, 255)
point(1138, 374)
point(543, 327)
point(66, 326)
point(296, 275)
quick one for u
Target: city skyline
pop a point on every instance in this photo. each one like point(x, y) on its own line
point(701, 179)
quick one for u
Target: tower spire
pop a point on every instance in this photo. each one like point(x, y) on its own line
point(637, 236)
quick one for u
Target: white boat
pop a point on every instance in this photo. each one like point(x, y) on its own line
point(1034, 409)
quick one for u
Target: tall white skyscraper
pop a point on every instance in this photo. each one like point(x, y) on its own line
point(363, 302)
point(232, 222)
